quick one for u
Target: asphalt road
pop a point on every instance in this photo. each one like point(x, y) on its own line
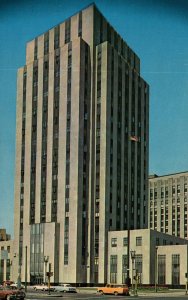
point(93, 297)
point(85, 296)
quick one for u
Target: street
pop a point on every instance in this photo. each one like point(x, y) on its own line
point(92, 296)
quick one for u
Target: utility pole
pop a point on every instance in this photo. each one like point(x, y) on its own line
point(156, 273)
point(25, 268)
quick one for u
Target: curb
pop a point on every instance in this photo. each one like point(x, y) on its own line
point(42, 295)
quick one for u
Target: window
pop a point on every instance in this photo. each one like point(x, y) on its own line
point(161, 269)
point(138, 241)
point(114, 242)
point(125, 241)
point(138, 264)
point(113, 268)
point(124, 268)
point(175, 269)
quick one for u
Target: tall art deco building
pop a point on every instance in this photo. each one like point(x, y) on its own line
point(80, 99)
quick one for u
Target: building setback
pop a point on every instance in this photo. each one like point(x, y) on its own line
point(80, 98)
point(168, 204)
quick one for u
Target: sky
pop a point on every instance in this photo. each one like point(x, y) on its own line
point(157, 30)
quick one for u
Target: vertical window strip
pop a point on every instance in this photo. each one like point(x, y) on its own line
point(85, 177)
point(119, 133)
point(68, 128)
point(111, 128)
point(46, 43)
point(133, 145)
point(101, 29)
point(36, 49)
point(126, 150)
point(33, 144)
point(124, 268)
point(55, 138)
point(44, 141)
point(56, 37)
point(66, 241)
point(80, 24)
point(67, 31)
point(139, 155)
point(22, 165)
point(98, 124)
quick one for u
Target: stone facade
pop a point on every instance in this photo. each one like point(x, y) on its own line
point(168, 204)
point(80, 99)
point(171, 253)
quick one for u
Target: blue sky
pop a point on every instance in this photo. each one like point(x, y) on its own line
point(157, 30)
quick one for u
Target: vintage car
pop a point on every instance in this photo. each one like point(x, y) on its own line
point(42, 287)
point(65, 288)
point(8, 293)
point(114, 289)
point(15, 286)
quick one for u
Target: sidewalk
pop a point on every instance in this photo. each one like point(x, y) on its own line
point(169, 293)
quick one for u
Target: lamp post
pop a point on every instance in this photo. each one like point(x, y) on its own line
point(25, 268)
point(19, 277)
point(133, 253)
point(156, 273)
point(46, 259)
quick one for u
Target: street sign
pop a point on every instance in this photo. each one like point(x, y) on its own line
point(49, 274)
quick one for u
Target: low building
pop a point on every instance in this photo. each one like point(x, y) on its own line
point(171, 258)
point(3, 235)
point(6, 256)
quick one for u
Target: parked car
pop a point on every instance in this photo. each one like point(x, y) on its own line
point(65, 288)
point(114, 289)
point(8, 293)
point(42, 287)
point(7, 282)
point(15, 286)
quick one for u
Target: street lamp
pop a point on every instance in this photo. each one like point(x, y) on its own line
point(19, 277)
point(46, 259)
point(133, 254)
point(25, 268)
point(156, 273)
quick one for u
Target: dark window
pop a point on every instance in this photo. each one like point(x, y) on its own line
point(114, 242)
point(139, 241)
point(113, 269)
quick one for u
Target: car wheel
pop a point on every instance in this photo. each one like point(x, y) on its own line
point(101, 292)
point(115, 293)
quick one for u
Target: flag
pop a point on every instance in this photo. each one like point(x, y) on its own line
point(134, 138)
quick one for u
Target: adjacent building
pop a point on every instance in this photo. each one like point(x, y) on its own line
point(155, 257)
point(3, 235)
point(81, 149)
point(168, 204)
point(6, 256)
